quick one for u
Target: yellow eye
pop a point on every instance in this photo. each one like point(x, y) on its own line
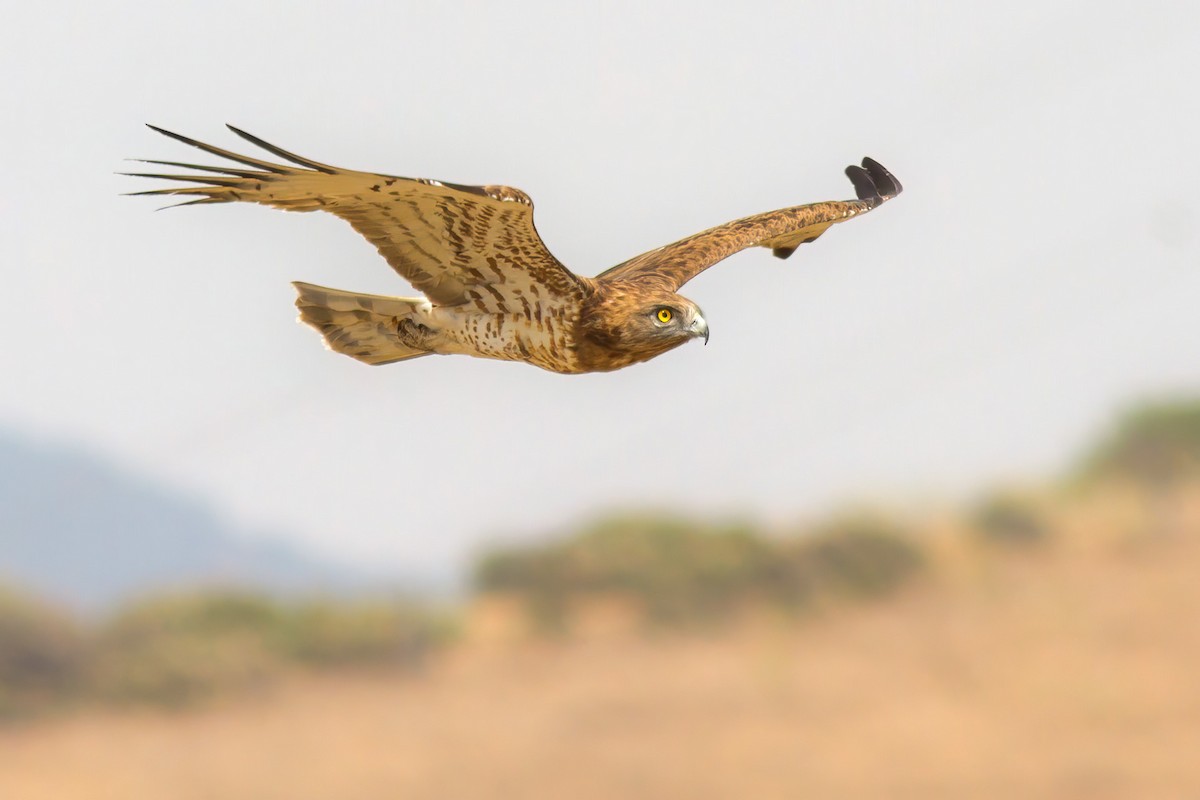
point(664, 315)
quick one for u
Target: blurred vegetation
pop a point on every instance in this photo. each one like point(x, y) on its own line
point(683, 572)
point(41, 655)
point(330, 634)
point(178, 650)
point(181, 649)
point(1008, 519)
point(1156, 444)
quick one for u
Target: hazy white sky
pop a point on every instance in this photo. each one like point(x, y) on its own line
point(1041, 269)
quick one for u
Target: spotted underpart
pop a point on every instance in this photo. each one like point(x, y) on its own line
point(490, 287)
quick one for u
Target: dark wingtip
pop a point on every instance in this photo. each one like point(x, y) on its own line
point(872, 182)
point(885, 181)
point(864, 187)
point(782, 252)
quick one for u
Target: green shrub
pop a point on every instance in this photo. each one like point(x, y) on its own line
point(678, 571)
point(42, 654)
point(857, 556)
point(1154, 444)
point(181, 649)
point(203, 613)
point(681, 572)
point(1008, 520)
point(181, 669)
point(324, 633)
point(178, 650)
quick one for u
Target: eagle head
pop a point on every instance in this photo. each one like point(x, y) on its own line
point(625, 326)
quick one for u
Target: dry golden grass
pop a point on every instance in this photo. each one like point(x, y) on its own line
point(1071, 671)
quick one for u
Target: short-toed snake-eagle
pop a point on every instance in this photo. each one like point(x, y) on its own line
point(490, 287)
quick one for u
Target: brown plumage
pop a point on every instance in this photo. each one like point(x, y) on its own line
point(490, 287)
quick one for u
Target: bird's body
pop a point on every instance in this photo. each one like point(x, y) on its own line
point(366, 326)
point(491, 288)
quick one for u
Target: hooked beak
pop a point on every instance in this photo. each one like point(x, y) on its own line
point(699, 328)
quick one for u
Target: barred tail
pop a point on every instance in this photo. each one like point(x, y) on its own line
point(362, 326)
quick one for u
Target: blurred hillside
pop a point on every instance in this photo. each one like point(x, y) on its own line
point(1038, 643)
point(84, 532)
point(1059, 663)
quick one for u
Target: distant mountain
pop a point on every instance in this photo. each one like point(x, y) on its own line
point(85, 532)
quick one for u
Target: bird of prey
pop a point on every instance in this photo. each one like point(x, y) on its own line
point(490, 287)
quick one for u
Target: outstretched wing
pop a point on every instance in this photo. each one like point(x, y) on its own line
point(456, 244)
point(782, 231)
